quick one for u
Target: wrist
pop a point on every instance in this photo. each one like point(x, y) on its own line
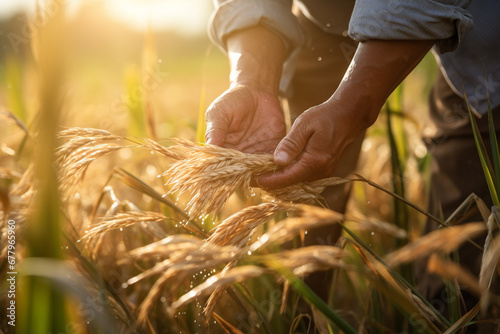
point(256, 57)
point(377, 68)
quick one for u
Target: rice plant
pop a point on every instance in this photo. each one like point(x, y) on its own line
point(126, 232)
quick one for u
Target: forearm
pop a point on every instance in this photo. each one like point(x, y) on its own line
point(377, 68)
point(256, 58)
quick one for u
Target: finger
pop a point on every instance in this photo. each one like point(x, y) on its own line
point(215, 136)
point(287, 176)
point(217, 125)
point(293, 144)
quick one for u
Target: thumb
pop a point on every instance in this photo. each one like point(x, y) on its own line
point(215, 135)
point(293, 144)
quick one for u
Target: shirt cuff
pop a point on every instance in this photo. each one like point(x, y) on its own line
point(231, 16)
point(440, 20)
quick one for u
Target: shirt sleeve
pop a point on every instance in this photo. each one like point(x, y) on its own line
point(276, 15)
point(443, 20)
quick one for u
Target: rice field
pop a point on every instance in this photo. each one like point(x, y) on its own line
point(116, 217)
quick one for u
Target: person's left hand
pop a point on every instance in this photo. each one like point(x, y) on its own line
point(313, 148)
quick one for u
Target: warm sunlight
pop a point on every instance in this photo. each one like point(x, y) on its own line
point(186, 16)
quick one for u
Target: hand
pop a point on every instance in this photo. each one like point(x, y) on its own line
point(320, 136)
point(316, 143)
point(245, 119)
point(248, 116)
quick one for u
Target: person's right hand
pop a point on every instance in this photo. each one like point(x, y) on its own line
point(248, 116)
point(245, 119)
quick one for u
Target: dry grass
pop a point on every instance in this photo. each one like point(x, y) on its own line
point(307, 217)
point(490, 260)
point(238, 229)
point(306, 260)
point(238, 274)
point(180, 265)
point(450, 271)
point(83, 147)
point(244, 245)
point(443, 240)
point(375, 225)
point(121, 221)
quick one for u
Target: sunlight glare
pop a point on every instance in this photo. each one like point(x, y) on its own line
point(188, 16)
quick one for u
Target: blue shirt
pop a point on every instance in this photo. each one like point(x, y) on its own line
point(467, 34)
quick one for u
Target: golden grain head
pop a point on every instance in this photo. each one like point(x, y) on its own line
point(237, 274)
point(237, 229)
point(305, 217)
point(442, 240)
point(375, 225)
point(83, 147)
point(211, 174)
point(122, 220)
point(451, 271)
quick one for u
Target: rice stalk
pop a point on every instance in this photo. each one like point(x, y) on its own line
point(464, 320)
point(211, 174)
point(237, 231)
point(306, 260)
point(400, 295)
point(226, 326)
point(450, 270)
point(442, 240)
point(22, 194)
point(307, 217)
point(375, 225)
point(239, 228)
point(176, 154)
point(180, 265)
point(238, 274)
point(83, 132)
point(74, 165)
point(137, 184)
point(218, 292)
point(490, 174)
point(189, 257)
point(165, 246)
point(20, 124)
point(489, 261)
point(77, 142)
point(43, 234)
point(122, 220)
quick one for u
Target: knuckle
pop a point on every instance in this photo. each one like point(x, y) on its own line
point(301, 122)
point(322, 164)
point(323, 160)
point(289, 144)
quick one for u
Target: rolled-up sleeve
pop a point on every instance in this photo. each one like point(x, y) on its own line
point(275, 15)
point(442, 20)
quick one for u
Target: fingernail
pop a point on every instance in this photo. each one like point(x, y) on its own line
point(281, 158)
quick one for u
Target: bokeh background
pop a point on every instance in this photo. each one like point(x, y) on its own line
point(106, 77)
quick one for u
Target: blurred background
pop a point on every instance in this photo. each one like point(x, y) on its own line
point(119, 53)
